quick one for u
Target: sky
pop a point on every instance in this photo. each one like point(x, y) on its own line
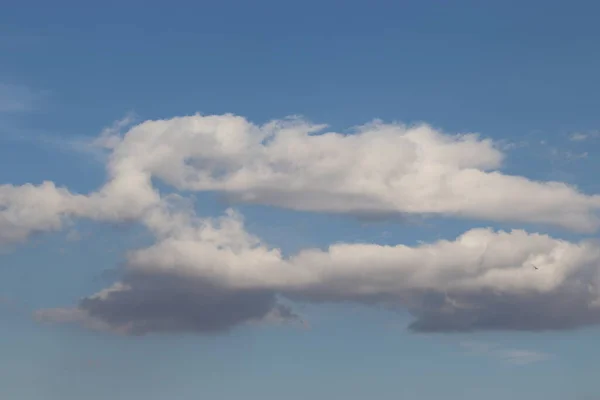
point(299, 199)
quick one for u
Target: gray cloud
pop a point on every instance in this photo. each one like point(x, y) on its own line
point(569, 307)
point(564, 309)
point(169, 304)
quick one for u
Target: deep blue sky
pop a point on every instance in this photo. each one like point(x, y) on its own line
point(512, 70)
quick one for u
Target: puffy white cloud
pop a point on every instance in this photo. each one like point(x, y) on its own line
point(30, 208)
point(378, 169)
point(208, 275)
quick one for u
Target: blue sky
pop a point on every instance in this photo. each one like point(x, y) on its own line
point(521, 73)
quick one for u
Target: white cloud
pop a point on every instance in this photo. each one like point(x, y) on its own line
point(29, 208)
point(581, 137)
point(482, 280)
point(210, 274)
point(478, 259)
point(380, 169)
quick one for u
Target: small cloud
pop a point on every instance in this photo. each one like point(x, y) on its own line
point(576, 156)
point(512, 356)
point(558, 155)
point(506, 145)
point(580, 137)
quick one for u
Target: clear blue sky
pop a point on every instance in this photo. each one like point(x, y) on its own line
point(515, 71)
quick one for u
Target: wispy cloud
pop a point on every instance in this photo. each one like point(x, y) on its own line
point(512, 356)
point(567, 156)
point(580, 136)
point(112, 135)
point(561, 157)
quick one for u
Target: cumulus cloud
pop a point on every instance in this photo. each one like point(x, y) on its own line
point(28, 209)
point(153, 300)
point(209, 275)
point(380, 169)
point(482, 280)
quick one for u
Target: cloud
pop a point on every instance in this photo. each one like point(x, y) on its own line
point(379, 170)
point(28, 209)
point(581, 137)
point(512, 356)
point(561, 155)
point(209, 275)
point(111, 136)
point(482, 280)
point(169, 304)
point(148, 300)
